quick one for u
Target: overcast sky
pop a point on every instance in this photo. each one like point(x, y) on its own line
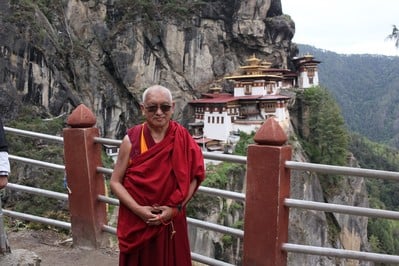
point(345, 26)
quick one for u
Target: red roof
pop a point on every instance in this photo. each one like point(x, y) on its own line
point(274, 97)
point(215, 100)
point(262, 97)
point(217, 95)
point(232, 98)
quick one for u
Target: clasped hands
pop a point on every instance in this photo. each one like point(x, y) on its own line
point(157, 215)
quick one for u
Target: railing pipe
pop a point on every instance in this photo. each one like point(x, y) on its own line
point(340, 253)
point(26, 133)
point(342, 170)
point(222, 193)
point(108, 200)
point(104, 170)
point(207, 155)
point(207, 190)
point(109, 229)
point(37, 219)
point(191, 221)
point(226, 158)
point(216, 227)
point(330, 207)
point(38, 191)
point(107, 141)
point(36, 162)
point(209, 261)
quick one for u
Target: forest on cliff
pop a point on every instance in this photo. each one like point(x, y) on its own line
point(366, 89)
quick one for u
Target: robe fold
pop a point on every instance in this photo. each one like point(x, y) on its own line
point(159, 176)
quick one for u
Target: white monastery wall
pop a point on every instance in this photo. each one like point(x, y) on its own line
point(217, 125)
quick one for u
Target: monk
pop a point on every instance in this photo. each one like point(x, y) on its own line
point(4, 162)
point(159, 168)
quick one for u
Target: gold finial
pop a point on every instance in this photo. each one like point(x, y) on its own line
point(253, 61)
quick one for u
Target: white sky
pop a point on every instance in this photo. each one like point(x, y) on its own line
point(345, 26)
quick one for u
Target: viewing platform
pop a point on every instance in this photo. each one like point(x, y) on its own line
point(264, 235)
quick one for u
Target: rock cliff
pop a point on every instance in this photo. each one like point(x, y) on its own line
point(58, 54)
point(104, 53)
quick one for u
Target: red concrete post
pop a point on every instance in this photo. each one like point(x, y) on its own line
point(268, 184)
point(82, 156)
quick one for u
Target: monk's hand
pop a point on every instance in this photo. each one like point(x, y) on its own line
point(167, 213)
point(147, 215)
point(163, 215)
point(153, 216)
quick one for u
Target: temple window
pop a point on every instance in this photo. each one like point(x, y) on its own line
point(248, 90)
point(270, 107)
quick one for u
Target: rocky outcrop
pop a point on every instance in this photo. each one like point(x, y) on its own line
point(103, 54)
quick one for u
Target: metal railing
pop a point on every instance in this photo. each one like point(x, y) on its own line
point(32, 190)
point(288, 202)
point(112, 201)
point(338, 208)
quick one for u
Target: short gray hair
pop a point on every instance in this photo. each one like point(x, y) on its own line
point(157, 87)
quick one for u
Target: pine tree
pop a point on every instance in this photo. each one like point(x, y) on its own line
point(327, 142)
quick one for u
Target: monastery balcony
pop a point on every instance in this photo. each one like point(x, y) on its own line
point(248, 121)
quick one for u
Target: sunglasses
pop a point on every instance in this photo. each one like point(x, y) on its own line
point(154, 108)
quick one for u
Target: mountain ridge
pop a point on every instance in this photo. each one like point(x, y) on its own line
point(366, 88)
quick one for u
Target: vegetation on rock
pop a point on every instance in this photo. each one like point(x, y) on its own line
point(383, 234)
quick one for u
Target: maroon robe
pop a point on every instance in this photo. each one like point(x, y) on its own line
point(159, 176)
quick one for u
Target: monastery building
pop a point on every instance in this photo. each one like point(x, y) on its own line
point(220, 117)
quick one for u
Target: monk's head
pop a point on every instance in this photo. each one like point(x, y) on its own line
point(157, 106)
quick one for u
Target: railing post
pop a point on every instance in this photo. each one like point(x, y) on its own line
point(82, 156)
point(268, 184)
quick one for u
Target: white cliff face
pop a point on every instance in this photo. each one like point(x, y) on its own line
point(250, 19)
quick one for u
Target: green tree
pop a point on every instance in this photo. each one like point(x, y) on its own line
point(242, 145)
point(327, 142)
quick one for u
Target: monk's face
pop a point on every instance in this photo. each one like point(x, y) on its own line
point(157, 109)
